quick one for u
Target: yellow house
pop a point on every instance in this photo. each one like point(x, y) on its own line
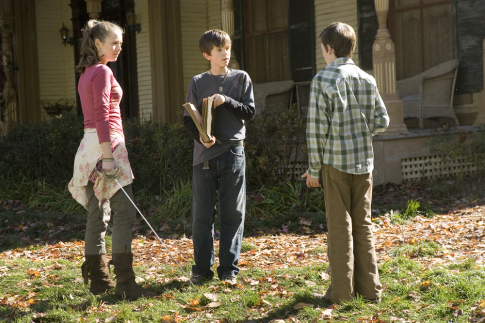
point(273, 40)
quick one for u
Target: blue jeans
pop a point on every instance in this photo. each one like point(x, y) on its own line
point(225, 177)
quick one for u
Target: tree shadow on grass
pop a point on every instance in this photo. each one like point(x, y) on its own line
point(288, 310)
point(23, 227)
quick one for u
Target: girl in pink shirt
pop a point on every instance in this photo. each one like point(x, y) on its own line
point(102, 150)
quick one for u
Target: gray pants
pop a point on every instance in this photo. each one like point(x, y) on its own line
point(123, 222)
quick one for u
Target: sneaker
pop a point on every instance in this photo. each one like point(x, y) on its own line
point(198, 279)
point(229, 280)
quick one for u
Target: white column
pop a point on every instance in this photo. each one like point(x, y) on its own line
point(384, 59)
point(227, 14)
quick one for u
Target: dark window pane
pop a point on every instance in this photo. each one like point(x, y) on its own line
point(255, 16)
point(278, 15)
point(438, 35)
point(405, 3)
point(407, 39)
point(256, 58)
point(279, 60)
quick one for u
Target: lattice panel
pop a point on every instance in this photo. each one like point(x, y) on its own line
point(296, 169)
point(434, 166)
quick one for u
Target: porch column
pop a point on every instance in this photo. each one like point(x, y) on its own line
point(384, 58)
point(227, 13)
point(10, 113)
point(481, 104)
point(93, 7)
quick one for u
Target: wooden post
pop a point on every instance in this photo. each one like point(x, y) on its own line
point(10, 113)
point(227, 13)
point(480, 120)
point(384, 58)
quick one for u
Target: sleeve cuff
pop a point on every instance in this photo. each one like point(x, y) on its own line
point(315, 173)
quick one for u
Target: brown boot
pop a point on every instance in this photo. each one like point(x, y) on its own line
point(125, 278)
point(96, 268)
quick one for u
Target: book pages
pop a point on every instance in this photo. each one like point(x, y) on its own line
point(207, 116)
point(198, 120)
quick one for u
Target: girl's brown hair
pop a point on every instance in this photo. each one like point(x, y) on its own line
point(94, 30)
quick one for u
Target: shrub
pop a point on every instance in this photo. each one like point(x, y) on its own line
point(469, 146)
point(160, 154)
point(42, 151)
point(275, 144)
point(36, 164)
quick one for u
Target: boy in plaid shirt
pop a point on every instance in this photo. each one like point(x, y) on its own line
point(345, 111)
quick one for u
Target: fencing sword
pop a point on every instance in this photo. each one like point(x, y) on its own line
point(113, 176)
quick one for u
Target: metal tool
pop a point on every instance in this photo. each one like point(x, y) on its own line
point(173, 258)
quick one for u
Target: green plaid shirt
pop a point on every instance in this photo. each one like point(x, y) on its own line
point(345, 111)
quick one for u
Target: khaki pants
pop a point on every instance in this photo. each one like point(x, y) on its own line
point(351, 250)
point(123, 222)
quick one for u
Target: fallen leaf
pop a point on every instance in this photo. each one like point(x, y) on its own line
point(168, 319)
point(212, 297)
point(213, 304)
point(194, 302)
point(425, 285)
point(324, 275)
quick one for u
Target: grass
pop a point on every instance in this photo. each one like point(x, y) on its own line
point(57, 294)
point(47, 290)
point(418, 249)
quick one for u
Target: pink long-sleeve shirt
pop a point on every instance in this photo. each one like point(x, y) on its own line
point(100, 96)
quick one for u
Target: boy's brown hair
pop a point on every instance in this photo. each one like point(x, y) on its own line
point(341, 37)
point(213, 38)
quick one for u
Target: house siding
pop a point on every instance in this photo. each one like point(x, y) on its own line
point(214, 14)
point(56, 61)
point(194, 21)
point(144, 65)
point(327, 12)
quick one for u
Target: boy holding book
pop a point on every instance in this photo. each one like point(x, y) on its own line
point(345, 111)
point(219, 165)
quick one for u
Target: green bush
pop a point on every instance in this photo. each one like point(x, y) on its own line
point(275, 144)
point(160, 154)
point(36, 164)
point(41, 151)
point(468, 146)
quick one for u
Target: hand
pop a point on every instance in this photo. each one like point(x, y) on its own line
point(108, 166)
point(208, 144)
point(218, 100)
point(311, 181)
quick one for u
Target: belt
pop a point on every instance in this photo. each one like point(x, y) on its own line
point(234, 143)
point(238, 143)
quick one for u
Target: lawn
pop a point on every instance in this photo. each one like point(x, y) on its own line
point(431, 267)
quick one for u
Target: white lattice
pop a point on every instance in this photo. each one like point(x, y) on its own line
point(434, 166)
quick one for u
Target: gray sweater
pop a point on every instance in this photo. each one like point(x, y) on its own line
point(230, 116)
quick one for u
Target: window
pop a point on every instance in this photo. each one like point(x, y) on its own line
point(267, 53)
point(422, 31)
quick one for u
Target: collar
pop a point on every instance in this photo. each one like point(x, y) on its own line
point(341, 61)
